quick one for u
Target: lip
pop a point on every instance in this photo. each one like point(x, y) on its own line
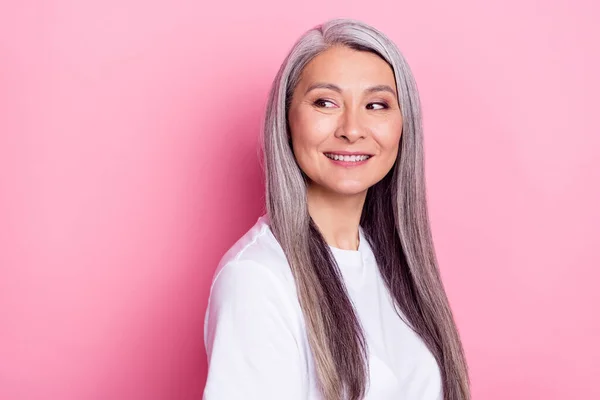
point(348, 153)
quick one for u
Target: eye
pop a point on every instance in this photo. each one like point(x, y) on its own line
point(323, 103)
point(381, 106)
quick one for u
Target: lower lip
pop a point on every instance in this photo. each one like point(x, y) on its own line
point(348, 163)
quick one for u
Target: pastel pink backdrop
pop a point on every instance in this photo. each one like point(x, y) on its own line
point(128, 166)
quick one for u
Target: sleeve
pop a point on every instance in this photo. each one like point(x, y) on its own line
point(252, 351)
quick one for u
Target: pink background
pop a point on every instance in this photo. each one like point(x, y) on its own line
point(128, 166)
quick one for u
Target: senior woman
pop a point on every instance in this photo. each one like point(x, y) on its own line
point(335, 291)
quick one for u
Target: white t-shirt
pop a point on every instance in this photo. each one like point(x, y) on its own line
point(255, 335)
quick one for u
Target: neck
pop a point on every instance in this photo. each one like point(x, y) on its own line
point(336, 215)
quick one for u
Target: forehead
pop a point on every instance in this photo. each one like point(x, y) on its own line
point(345, 67)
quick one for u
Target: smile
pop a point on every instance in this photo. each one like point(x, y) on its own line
point(347, 158)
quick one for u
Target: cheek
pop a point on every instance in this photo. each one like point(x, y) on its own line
point(389, 137)
point(309, 129)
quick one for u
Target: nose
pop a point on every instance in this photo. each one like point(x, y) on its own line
point(350, 127)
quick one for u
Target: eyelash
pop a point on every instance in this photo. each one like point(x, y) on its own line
point(382, 103)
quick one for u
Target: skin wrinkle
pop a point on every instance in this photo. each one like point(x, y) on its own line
point(351, 81)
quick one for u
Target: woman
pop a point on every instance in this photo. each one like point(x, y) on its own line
point(335, 292)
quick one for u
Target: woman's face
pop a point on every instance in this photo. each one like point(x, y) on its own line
point(345, 102)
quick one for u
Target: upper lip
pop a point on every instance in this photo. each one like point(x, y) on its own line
point(348, 153)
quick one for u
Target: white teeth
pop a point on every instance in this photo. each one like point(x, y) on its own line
point(347, 158)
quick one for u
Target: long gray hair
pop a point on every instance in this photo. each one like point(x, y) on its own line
point(394, 219)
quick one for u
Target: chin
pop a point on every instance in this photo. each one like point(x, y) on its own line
point(349, 188)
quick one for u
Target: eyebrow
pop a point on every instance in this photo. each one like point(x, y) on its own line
point(335, 88)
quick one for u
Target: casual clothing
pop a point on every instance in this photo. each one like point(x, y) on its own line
point(256, 339)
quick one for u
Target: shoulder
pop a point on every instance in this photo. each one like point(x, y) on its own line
point(255, 256)
point(254, 334)
point(253, 288)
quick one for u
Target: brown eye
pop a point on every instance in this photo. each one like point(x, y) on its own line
point(323, 103)
point(381, 106)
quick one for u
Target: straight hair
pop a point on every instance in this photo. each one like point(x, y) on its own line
point(394, 219)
